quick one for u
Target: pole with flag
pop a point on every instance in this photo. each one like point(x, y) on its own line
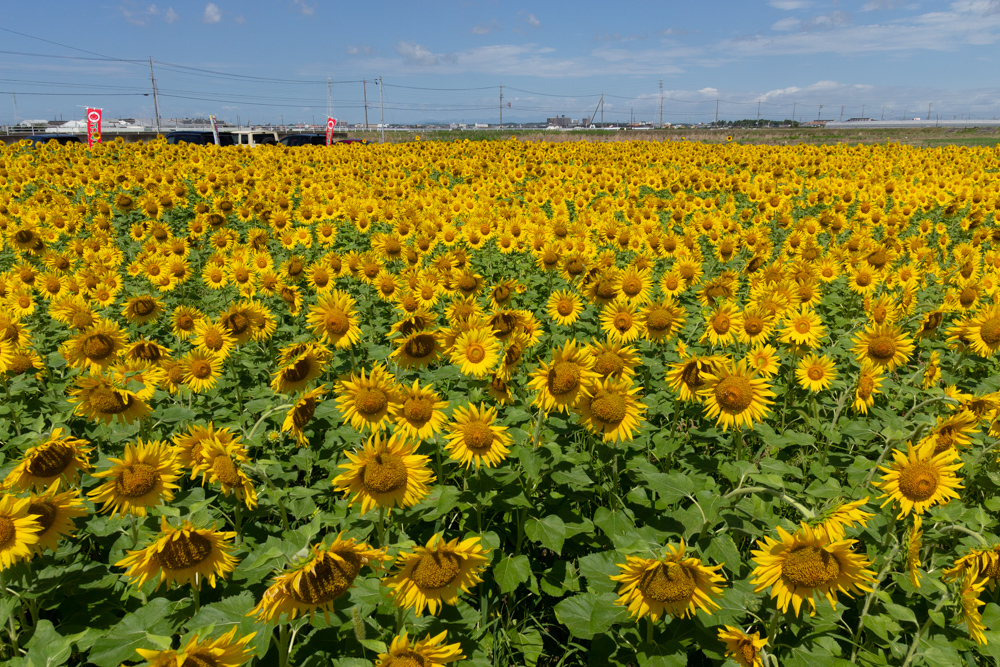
point(93, 126)
point(215, 130)
point(330, 124)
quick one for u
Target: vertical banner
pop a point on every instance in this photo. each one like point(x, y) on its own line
point(93, 126)
point(330, 124)
point(215, 130)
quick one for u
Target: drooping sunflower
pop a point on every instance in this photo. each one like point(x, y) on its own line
point(418, 350)
point(914, 545)
point(564, 307)
point(885, 346)
point(220, 462)
point(971, 616)
point(142, 309)
point(816, 372)
point(432, 576)
point(612, 410)
point(19, 530)
point(55, 513)
point(919, 479)
point(474, 436)
point(100, 398)
point(300, 365)
point(428, 652)
point(561, 384)
point(57, 460)
point(983, 331)
point(298, 415)
point(385, 473)
point(143, 478)
point(366, 400)
point(735, 396)
point(96, 348)
point(869, 384)
point(221, 652)
point(419, 412)
point(803, 327)
point(744, 649)
point(315, 583)
point(613, 360)
point(688, 375)
point(798, 567)
point(672, 585)
point(334, 320)
point(182, 555)
point(661, 320)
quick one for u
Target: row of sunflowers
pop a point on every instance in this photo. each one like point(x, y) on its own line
point(499, 403)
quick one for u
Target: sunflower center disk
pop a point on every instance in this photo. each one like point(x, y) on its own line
point(748, 652)
point(734, 393)
point(185, 323)
point(918, 481)
point(384, 473)
point(137, 480)
point(304, 412)
point(608, 364)
point(239, 323)
point(815, 374)
point(82, 320)
point(186, 551)
point(809, 567)
point(967, 297)
point(299, 371)
point(213, 340)
point(50, 461)
point(478, 436)
point(409, 658)
point(668, 582)
point(337, 322)
point(802, 327)
point(623, 322)
point(420, 346)
point(989, 331)
point(327, 580)
point(225, 471)
point(7, 531)
point(201, 369)
point(721, 324)
point(606, 290)
point(418, 410)
point(45, 513)
point(631, 287)
point(98, 347)
point(144, 307)
point(564, 377)
point(865, 387)
point(108, 401)
point(753, 325)
point(564, 308)
point(370, 401)
point(882, 348)
point(436, 570)
point(467, 283)
point(609, 408)
point(501, 294)
point(659, 320)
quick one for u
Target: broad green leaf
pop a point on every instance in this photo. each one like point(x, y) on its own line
point(149, 627)
point(511, 572)
point(549, 531)
point(590, 614)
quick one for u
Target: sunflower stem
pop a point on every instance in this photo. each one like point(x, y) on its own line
point(803, 510)
point(196, 593)
point(13, 413)
point(380, 527)
point(134, 531)
point(868, 601)
point(650, 629)
point(238, 521)
point(283, 645)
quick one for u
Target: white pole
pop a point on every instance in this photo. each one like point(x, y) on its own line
point(381, 105)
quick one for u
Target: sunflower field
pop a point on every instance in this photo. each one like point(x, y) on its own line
point(499, 403)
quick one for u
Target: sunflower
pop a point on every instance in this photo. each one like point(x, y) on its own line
point(220, 462)
point(561, 384)
point(613, 360)
point(213, 338)
point(366, 400)
point(58, 459)
point(474, 436)
point(671, 283)
point(764, 361)
point(221, 652)
point(300, 365)
point(334, 320)
point(735, 396)
point(914, 545)
point(755, 326)
point(182, 555)
point(983, 331)
point(834, 522)
point(428, 652)
point(142, 309)
point(885, 346)
point(661, 320)
point(432, 576)
point(96, 348)
point(722, 324)
point(201, 369)
point(744, 649)
point(800, 566)
point(19, 530)
point(971, 616)
point(385, 473)
point(475, 351)
point(418, 350)
point(803, 327)
point(920, 478)
point(419, 413)
point(317, 581)
point(184, 320)
point(564, 307)
point(298, 415)
point(101, 399)
point(55, 513)
point(816, 372)
point(612, 410)
point(620, 320)
point(672, 585)
point(688, 375)
point(932, 371)
point(869, 384)
point(143, 478)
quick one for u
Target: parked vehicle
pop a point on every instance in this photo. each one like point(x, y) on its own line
point(304, 140)
point(200, 137)
point(61, 138)
point(255, 137)
point(352, 141)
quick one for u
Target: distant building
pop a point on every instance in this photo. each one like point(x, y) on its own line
point(860, 120)
point(559, 121)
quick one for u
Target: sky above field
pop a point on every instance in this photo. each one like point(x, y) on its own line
point(269, 60)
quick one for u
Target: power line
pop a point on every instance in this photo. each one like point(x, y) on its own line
point(72, 48)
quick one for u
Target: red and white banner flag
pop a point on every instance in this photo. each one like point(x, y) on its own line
point(330, 124)
point(93, 126)
point(215, 130)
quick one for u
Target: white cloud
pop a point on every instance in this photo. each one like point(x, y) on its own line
point(788, 5)
point(486, 28)
point(212, 13)
point(307, 10)
point(532, 21)
point(362, 50)
point(240, 20)
point(787, 24)
point(171, 15)
point(144, 16)
point(417, 54)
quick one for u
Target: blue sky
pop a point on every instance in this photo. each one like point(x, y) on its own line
point(269, 60)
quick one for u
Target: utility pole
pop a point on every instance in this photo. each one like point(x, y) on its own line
point(883, 113)
point(819, 114)
point(501, 106)
point(716, 110)
point(928, 111)
point(758, 112)
point(329, 98)
point(14, 97)
point(863, 110)
point(602, 109)
point(381, 105)
point(156, 105)
point(794, 104)
point(842, 112)
point(364, 84)
point(661, 102)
